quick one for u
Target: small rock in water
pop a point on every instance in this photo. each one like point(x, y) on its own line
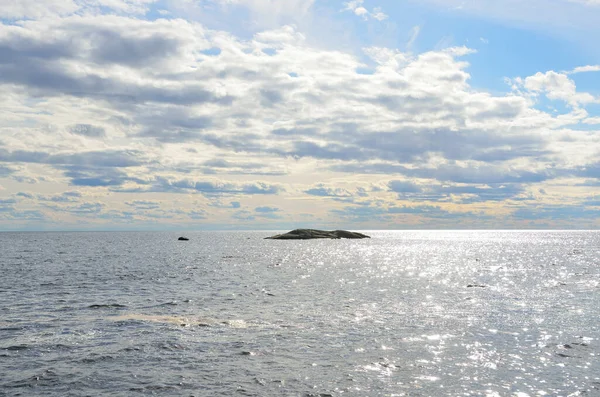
point(476, 286)
point(183, 239)
point(107, 306)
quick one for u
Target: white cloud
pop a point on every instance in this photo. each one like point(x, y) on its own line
point(592, 120)
point(361, 11)
point(557, 86)
point(585, 69)
point(356, 6)
point(379, 14)
point(281, 36)
point(121, 6)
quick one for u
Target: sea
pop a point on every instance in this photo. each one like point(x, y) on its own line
point(404, 313)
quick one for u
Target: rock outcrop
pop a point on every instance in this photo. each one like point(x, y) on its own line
point(307, 234)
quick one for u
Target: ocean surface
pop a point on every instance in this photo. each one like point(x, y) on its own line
point(405, 313)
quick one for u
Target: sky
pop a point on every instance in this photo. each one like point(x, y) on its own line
point(265, 114)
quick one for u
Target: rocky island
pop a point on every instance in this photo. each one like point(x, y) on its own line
point(307, 234)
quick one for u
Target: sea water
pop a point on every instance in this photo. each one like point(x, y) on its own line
point(405, 313)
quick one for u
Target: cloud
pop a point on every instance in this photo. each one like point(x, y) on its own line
point(6, 171)
point(472, 172)
point(109, 158)
point(356, 6)
point(197, 215)
point(14, 216)
point(87, 130)
point(82, 209)
point(592, 120)
point(323, 191)
point(26, 179)
point(464, 194)
point(404, 187)
point(98, 177)
point(556, 213)
point(122, 6)
point(223, 166)
point(430, 215)
point(266, 209)
point(35, 8)
point(585, 69)
point(7, 202)
point(219, 204)
point(113, 106)
point(92, 168)
point(557, 86)
point(45, 57)
point(206, 187)
point(268, 212)
point(435, 101)
point(65, 197)
point(144, 205)
point(243, 216)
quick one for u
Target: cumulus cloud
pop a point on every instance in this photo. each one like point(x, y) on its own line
point(123, 106)
point(557, 86)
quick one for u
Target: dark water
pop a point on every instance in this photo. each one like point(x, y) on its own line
point(228, 313)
